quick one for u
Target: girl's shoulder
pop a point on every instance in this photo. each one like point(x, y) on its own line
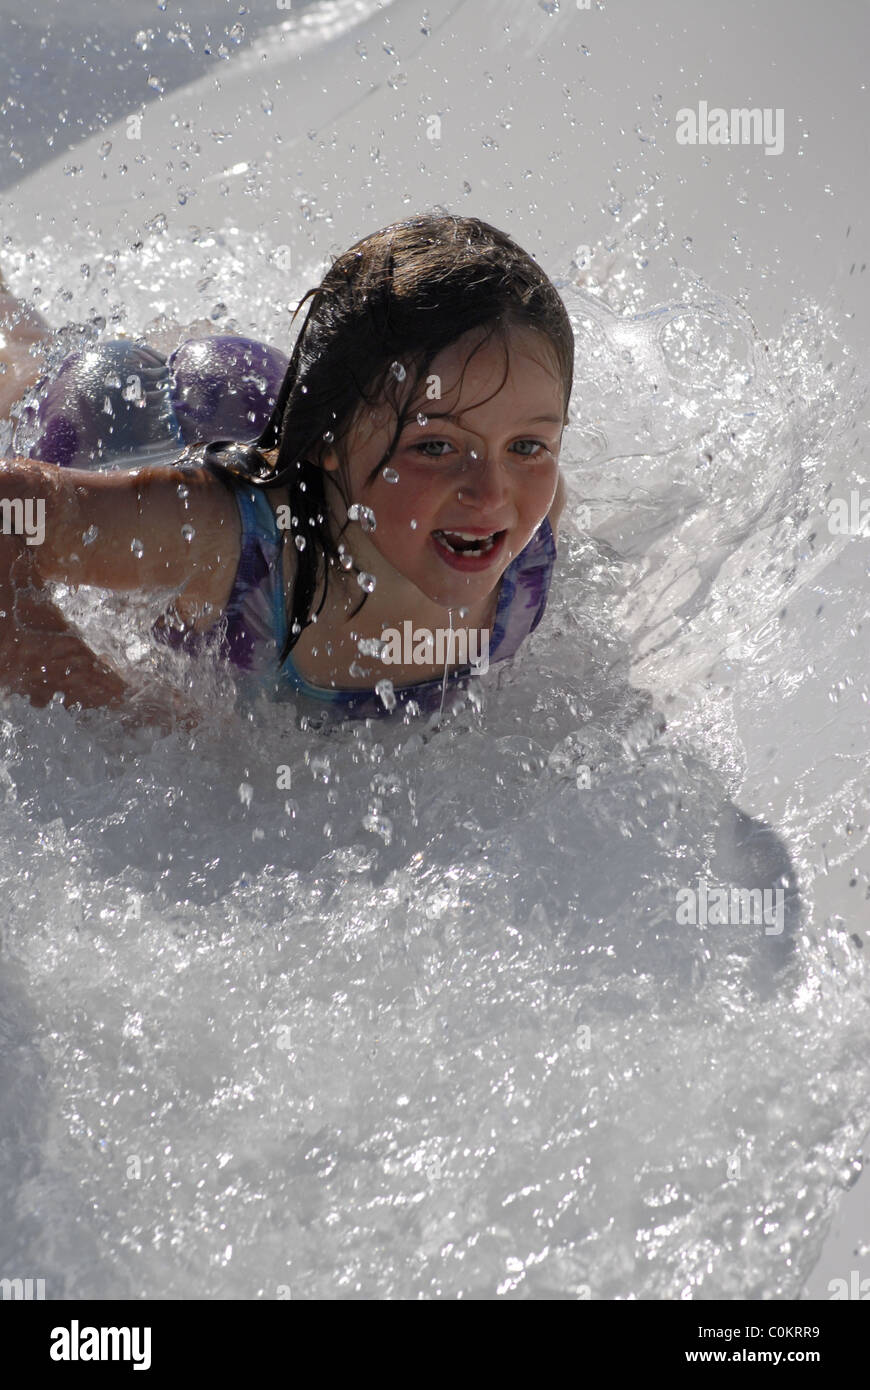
point(263, 513)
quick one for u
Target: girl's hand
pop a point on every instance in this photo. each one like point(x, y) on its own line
point(39, 653)
point(41, 656)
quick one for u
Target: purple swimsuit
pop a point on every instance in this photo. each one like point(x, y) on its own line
point(121, 403)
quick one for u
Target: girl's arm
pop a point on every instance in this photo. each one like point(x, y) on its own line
point(120, 531)
point(141, 529)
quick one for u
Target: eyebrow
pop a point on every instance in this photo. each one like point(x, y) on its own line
point(532, 420)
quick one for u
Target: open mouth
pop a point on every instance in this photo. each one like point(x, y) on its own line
point(463, 543)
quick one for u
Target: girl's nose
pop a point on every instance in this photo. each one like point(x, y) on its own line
point(483, 480)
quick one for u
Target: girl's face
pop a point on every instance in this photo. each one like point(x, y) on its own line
point(488, 472)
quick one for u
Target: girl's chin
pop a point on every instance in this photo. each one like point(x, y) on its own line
point(464, 594)
point(449, 585)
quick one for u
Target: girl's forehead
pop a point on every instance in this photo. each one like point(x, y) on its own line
point(461, 381)
point(517, 348)
point(524, 369)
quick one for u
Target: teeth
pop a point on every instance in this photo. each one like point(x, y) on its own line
point(482, 543)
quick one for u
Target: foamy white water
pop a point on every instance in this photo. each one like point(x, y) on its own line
point(424, 1024)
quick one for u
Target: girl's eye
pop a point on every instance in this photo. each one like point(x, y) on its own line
point(421, 448)
point(424, 445)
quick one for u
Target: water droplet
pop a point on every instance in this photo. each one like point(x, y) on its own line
point(364, 515)
point(413, 524)
point(155, 83)
point(328, 437)
point(246, 793)
point(384, 689)
point(366, 581)
point(371, 646)
point(299, 542)
point(398, 371)
point(183, 491)
point(320, 765)
point(105, 149)
point(390, 475)
point(188, 533)
point(137, 548)
point(422, 419)
point(89, 536)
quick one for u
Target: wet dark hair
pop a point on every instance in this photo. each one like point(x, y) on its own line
point(400, 296)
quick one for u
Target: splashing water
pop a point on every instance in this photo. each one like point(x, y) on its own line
point(430, 1027)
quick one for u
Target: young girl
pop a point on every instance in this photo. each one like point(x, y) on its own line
point(404, 480)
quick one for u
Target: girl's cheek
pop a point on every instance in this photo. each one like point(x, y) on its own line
point(405, 499)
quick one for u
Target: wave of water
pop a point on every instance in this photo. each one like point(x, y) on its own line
point(423, 1023)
